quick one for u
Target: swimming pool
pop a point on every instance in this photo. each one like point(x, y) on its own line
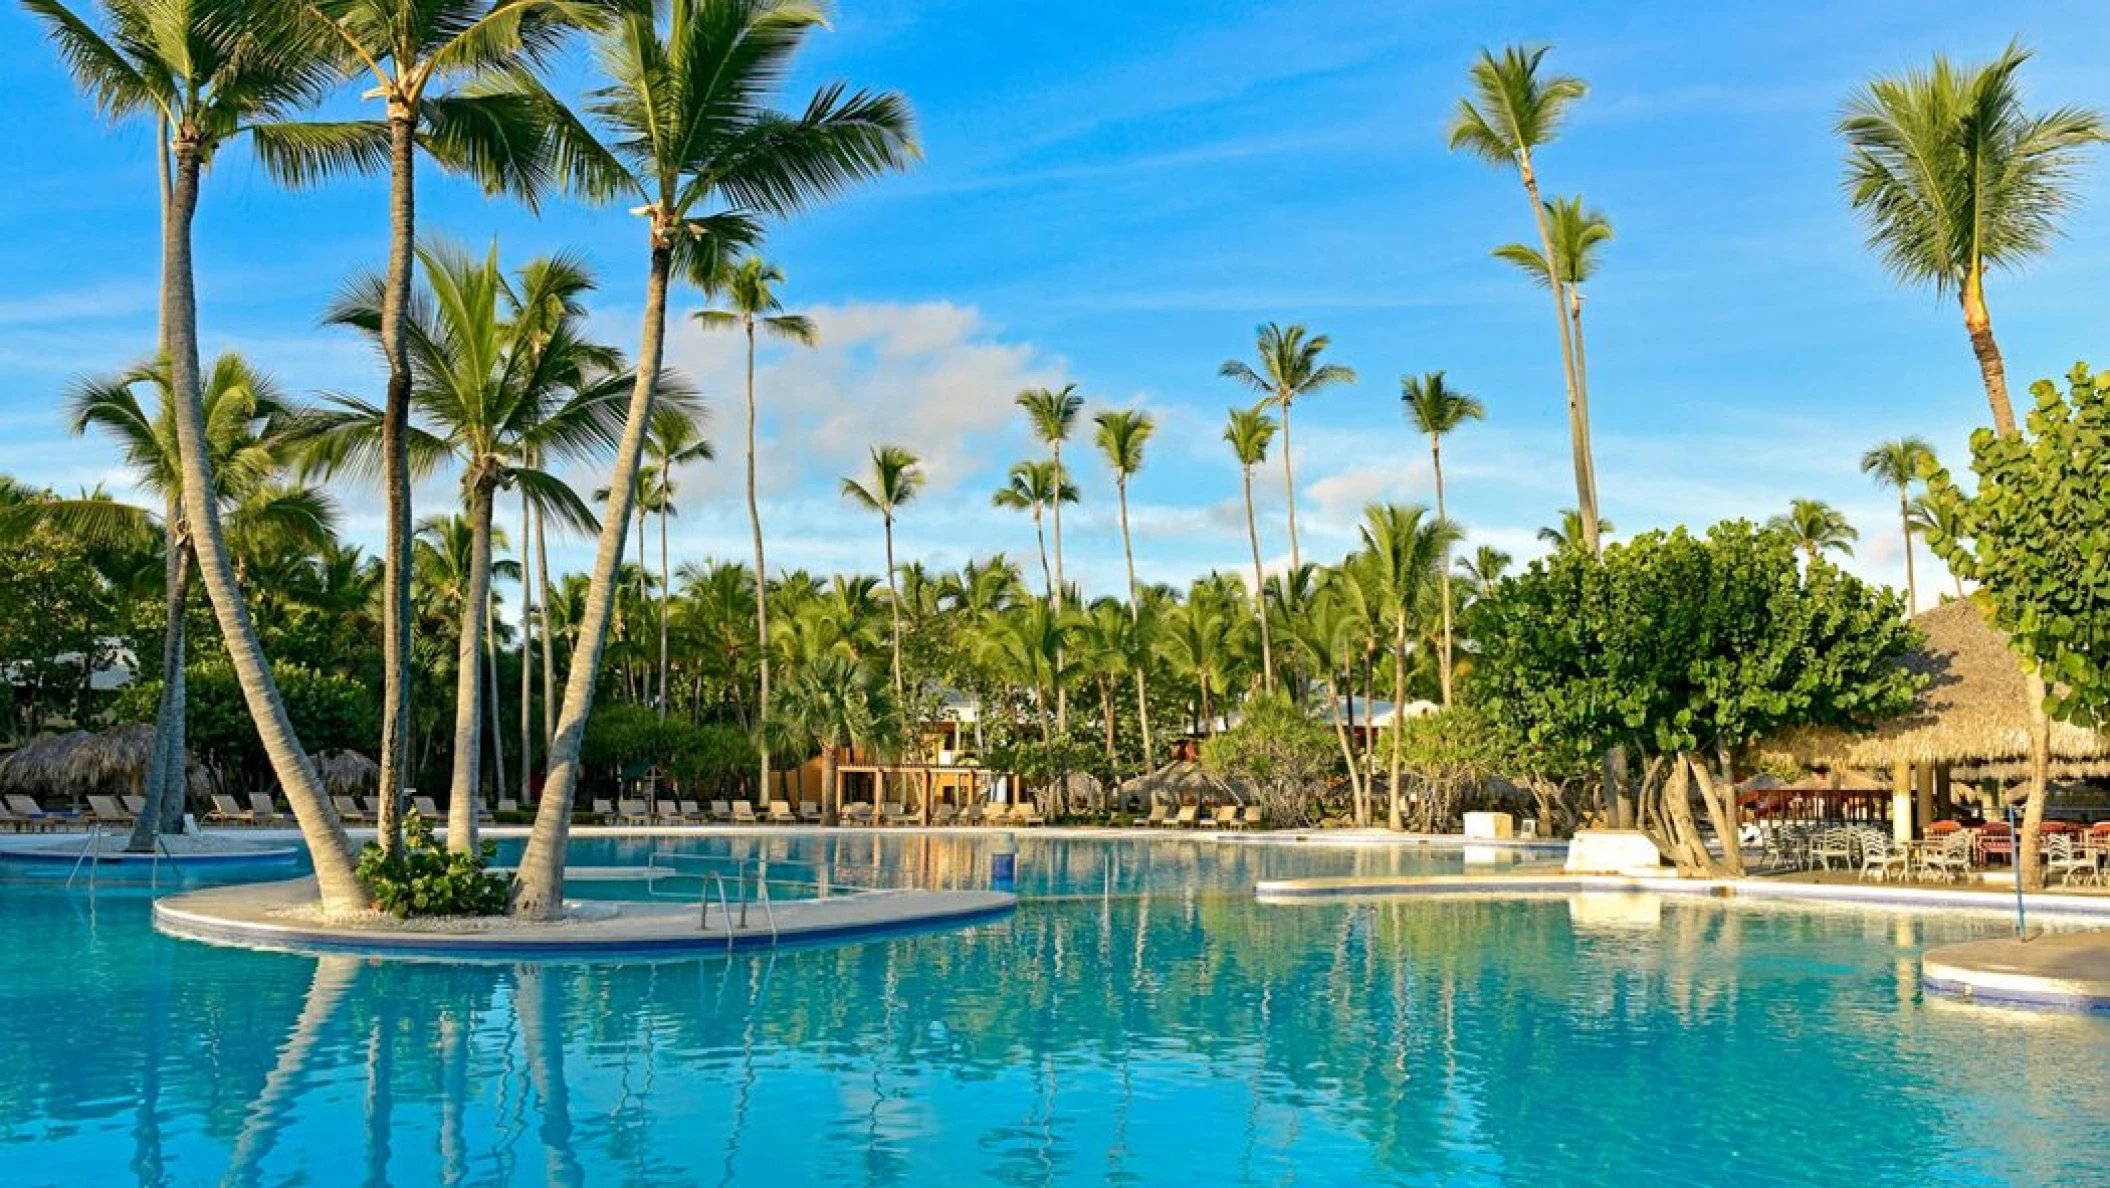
point(1139, 1020)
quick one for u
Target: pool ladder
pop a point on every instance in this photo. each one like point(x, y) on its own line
point(714, 881)
point(92, 844)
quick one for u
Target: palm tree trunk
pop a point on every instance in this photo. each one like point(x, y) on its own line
point(666, 592)
point(1047, 577)
point(467, 786)
point(176, 774)
point(1355, 779)
point(1289, 486)
point(1135, 617)
point(549, 639)
point(328, 847)
point(496, 700)
point(1252, 534)
point(831, 788)
point(1399, 701)
point(754, 523)
point(527, 648)
point(538, 888)
point(1578, 424)
point(1582, 391)
point(1443, 659)
point(1106, 709)
point(893, 598)
point(1062, 694)
point(169, 711)
point(396, 672)
point(1978, 322)
point(1912, 585)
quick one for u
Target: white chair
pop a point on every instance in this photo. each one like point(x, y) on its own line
point(2063, 861)
point(1951, 860)
point(1880, 860)
point(1832, 845)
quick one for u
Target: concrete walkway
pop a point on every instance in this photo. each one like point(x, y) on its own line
point(2064, 970)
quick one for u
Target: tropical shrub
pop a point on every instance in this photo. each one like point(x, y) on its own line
point(1284, 756)
point(424, 879)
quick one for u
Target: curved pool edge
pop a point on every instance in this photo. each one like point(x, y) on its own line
point(248, 916)
point(1862, 894)
point(2063, 971)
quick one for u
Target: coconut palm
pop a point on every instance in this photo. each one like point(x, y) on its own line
point(835, 705)
point(1483, 570)
point(1576, 234)
point(688, 104)
point(1121, 437)
point(1954, 177)
point(1034, 487)
point(1899, 464)
point(677, 440)
point(1402, 556)
point(896, 477)
point(1330, 639)
point(207, 78)
point(749, 290)
point(1434, 408)
point(1289, 371)
point(1939, 518)
point(1817, 528)
point(1053, 412)
point(1249, 432)
point(1568, 532)
point(1513, 112)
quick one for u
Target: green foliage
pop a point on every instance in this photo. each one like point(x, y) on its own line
point(1040, 762)
point(1459, 742)
point(424, 879)
point(1675, 643)
point(1276, 747)
point(53, 631)
point(713, 755)
point(329, 712)
point(2036, 536)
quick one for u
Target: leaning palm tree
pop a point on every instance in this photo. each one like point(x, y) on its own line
point(502, 389)
point(1433, 408)
point(896, 477)
point(1249, 432)
point(1403, 551)
point(1898, 464)
point(1954, 177)
point(1576, 234)
point(749, 289)
point(688, 105)
point(1511, 114)
point(1924, 517)
point(207, 78)
point(1568, 532)
point(1817, 528)
point(1121, 437)
point(1035, 487)
point(456, 84)
point(1289, 371)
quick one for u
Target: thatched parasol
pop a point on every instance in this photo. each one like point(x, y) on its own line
point(346, 772)
point(118, 757)
point(1974, 710)
point(46, 766)
point(1175, 781)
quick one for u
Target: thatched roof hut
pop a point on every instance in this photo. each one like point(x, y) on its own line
point(1178, 781)
point(347, 773)
point(1973, 712)
point(118, 758)
point(46, 766)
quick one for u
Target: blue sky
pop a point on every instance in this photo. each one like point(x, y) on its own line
point(1116, 194)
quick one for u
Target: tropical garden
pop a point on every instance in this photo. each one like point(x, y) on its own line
point(1624, 681)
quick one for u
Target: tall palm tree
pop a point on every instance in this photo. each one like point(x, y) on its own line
point(1898, 464)
point(896, 477)
point(1433, 408)
point(1328, 636)
point(749, 289)
point(1817, 528)
point(1034, 487)
point(1249, 432)
point(1922, 517)
point(455, 80)
point(1484, 569)
point(1289, 371)
point(1576, 234)
point(206, 80)
point(677, 440)
point(688, 105)
point(1513, 112)
point(1121, 437)
point(1568, 532)
point(1053, 412)
point(1955, 177)
point(835, 705)
point(1403, 551)
point(504, 390)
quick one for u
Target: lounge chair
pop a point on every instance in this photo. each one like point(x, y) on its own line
point(104, 810)
point(1253, 818)
point(632, 812)
point(226, 810)
point(780, 813)
point(349, 810)
point(944, 814)
point(859, 813)
point(507, 804)
point(373, 807)
point(744, 813)
point(721, 811)
point(1159, 815)
point(605, 810)
point(666, 812)
point(1226, 817)
point(692, 813)
point(427, 809)
point(810, 811)
point(1188, 817)
point(1027, 813)
point(893, 813)
point(135, 805)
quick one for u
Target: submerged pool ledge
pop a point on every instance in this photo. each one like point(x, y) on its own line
point(263, 916)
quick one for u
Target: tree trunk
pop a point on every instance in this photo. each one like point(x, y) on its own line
point(1356, 800)
point(466, 790)
point(328, 846)
point(1135, 618)
point(1399, 701)
point(1720, 799)
point(2028, 851)
point(1912, 586)
point(1978, 322)
point(831, 788)
point(1289, 485)
point(893, 598)
point(1578, 426)
point(538, 887)
point(754, 523)
point(396, 672)
point(549, 639)
point(1062, 694)
point(169, 712)
point(527, 650)
point(1443, 658)
point(1582, 393)
point(496, 700)
point(666, 591)
point(1106, 709)
point(1040, 535)
point(1252, 533)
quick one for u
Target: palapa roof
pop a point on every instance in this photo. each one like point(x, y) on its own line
point(1181, 777)
point(346, 772)
point(81, 762)
point(46, 765)
point(1974, 710)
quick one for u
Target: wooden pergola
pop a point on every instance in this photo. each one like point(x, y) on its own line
point(930, 781)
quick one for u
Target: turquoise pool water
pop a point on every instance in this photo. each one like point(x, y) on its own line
point(1140, 1020)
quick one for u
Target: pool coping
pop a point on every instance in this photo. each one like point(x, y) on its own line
point(48, 853)
point(251, 916)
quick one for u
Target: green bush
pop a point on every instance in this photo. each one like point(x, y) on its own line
point(424, 879)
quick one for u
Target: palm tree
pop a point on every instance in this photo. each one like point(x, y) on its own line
point(504, 389)
point(1569, 534)
point(749, 288)
point(1899, 464)
point(1576, 235)
point(1512, 113)
point(835, 705)
point(688, 103)
point(1433, 408)
point(677, 440)
point(1249, 432)
point(896, 477)
point(1817, 528)
point(455, 79)
point(1121, 437)
point(1034, 487)
point(1954, 177)
point(1053, 412)
point(1328, 636)
point(1483, 570)
point(1403, 552)
point(1922, 517)
point(1289, 371)
point(207, 80)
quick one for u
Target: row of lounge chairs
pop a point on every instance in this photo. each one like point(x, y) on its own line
point(1191, 816)
point(782, 812)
